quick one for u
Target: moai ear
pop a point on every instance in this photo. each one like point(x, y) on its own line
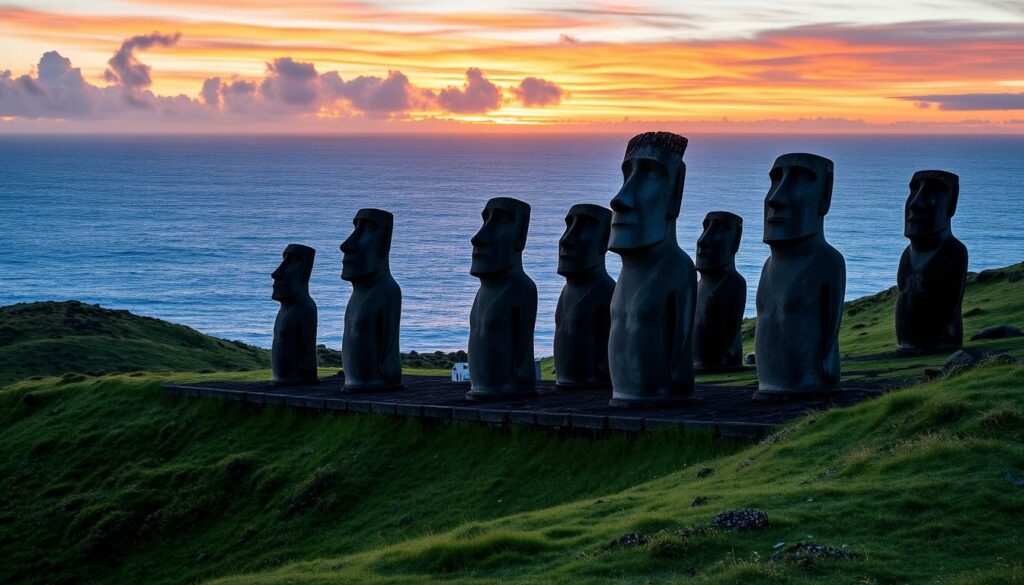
point(954, 193)
point(307, 270)
point(677, 192)
point(739, 236)
point(387, 228)
point(524, 227)
point(826, 199)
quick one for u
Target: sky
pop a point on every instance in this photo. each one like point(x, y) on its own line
point(941, 66)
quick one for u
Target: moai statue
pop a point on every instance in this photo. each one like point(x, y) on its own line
point(650, 349)
point(800, 296)
point(933, 268)
point(582, 317)
point(369, 350)
point(505, 308)
point(721, 296)
point(293, 354)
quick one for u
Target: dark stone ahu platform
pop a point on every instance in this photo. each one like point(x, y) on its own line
point(728, 411)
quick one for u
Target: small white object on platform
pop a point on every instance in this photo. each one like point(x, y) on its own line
point(460, 372)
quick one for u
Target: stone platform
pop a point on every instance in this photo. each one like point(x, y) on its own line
point(728, 411)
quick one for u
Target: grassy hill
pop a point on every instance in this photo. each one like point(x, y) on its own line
point(105, 480)
point(51, 338)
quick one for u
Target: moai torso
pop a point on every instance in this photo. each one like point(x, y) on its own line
point(799, 308)
point(930, 293)
point(370, 346)
point(650, 348)
point(293, 353)
point(582, 320)
point(717, 335)
point(501, 328)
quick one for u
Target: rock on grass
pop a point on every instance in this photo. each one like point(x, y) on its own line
point(741, 520)
point(631, 540)
point(805, 553)
point(997, 332)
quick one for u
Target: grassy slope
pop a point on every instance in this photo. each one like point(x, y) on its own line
point(52, 338)
point(109, 480)
point(49, 338)
point(105, 480)
point(912, 484)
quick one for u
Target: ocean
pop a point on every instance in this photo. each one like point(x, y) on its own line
point(189, 228)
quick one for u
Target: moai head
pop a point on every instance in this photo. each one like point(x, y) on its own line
point(585, 241)
point(291, 279)
point(718, 244)
point(365, 252)
point(647, 205)
point(499, 243)
point(931, 204)
point(799, 197)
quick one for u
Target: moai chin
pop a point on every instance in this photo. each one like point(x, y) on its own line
point(800, 295)
point(293, 353)
point(721, 296)
point(582, 316)
point(504, 314)
point(933, 268)
point(650, 349)
point(370, 349)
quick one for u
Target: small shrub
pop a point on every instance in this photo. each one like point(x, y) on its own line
point(1002, 419)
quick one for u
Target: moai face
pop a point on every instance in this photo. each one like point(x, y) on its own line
point(647, 205)
point(931, 204)
point(717, 246)
point(291, 278)
point(585, 241)
point(799, 197)
point(365, 252)
point(499, 243)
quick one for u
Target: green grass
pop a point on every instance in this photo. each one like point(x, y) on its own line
point(51, 338)
point(54, 338)
point(103, 479)
point(108, 480)
point(911, 484)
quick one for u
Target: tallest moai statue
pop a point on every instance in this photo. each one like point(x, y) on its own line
point(650, 352)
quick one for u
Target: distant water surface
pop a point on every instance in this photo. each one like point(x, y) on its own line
point(188, 229)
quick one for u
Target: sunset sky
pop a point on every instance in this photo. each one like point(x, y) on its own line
point(321, 65)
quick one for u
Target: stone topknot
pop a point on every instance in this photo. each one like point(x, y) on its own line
point(665, 140)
